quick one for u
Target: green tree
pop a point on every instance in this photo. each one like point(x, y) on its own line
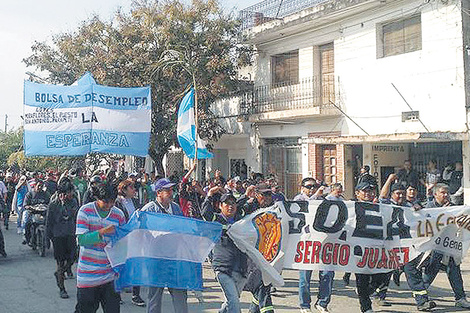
point(10, 142)
point(129, 50)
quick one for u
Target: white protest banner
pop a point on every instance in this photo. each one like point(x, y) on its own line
point(84, 118)
point(357, 237)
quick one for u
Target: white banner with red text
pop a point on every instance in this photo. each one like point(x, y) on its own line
point(356, 237)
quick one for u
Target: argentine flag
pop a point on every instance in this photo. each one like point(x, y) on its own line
point(186, 130)
point(161, 250)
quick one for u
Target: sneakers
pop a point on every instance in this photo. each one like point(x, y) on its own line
point(462, 303)
point(63, 294)
point(305, 310)
point(428, 306)
point(321, 309)
point(137, 300)
point(369, 311)
point(381, 302)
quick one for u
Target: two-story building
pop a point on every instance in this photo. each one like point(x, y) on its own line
point(342, 83)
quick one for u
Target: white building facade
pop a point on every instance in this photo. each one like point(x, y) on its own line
point(343, 83)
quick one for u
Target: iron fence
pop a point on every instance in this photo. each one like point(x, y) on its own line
point(303, 94)
point(269, 10)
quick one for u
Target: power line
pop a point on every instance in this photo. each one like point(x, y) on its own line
point(419, 119)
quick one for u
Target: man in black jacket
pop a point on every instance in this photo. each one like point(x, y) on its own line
point(228, 262)
point(61, 230)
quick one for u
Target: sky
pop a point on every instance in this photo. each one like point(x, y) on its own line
point(22, 22)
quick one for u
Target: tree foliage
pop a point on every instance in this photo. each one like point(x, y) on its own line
point(127, 51)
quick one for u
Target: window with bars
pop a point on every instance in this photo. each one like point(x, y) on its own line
point(400, 37)
point(285, 68)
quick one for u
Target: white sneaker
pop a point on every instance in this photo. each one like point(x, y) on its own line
point(304, 310)
point(369, 311)
point(462, 303)
point(321, 309)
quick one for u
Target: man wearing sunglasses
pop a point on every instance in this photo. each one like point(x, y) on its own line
point(310, 190)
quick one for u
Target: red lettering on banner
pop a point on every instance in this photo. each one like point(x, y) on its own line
point(383, 260)
point(394, 258)
point(365, 256)
point(344, 255)
point(313, 252)
point(316, 252)
point(308, 244)
point(373, 257)
point(406, 254)
point(335, 253)
point(326, 255)
point(299, 256)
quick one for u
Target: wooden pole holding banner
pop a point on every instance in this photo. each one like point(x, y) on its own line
point(196, 124)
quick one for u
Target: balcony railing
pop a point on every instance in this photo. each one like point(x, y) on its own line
point(303, 94)
point(269, 10)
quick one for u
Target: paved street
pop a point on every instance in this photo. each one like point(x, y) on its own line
point(27, 285)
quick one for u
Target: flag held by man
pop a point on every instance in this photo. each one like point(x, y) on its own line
point(161, 250)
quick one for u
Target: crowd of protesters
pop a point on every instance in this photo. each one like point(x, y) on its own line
point(86, 209)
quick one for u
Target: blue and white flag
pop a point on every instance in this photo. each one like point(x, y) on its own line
point(84, 118)
point(161, 250)
point(186, 130)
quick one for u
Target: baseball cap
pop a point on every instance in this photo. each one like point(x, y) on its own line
point(163, 183)
point(397, 186)
point(364, 186)
point(228, 198)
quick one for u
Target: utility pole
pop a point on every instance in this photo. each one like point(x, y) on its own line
point(6, 123)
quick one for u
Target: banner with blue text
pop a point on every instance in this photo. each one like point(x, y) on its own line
point(76, 120)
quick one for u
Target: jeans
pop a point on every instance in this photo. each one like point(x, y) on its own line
point(2, 243)
point(89, 299)
point(453, 274)
point(414, 277)
point(325, 289)
point(25, 221)
point(232, 286)
point(178, 296)
point(19, 213)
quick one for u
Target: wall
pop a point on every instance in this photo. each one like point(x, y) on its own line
point(431, 80)
point(382, 155)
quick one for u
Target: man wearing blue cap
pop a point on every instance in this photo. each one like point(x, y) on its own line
point(164, 204)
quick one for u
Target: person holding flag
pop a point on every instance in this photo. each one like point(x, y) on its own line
point(228, 262)
point(164, 204)
point(96, 222)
